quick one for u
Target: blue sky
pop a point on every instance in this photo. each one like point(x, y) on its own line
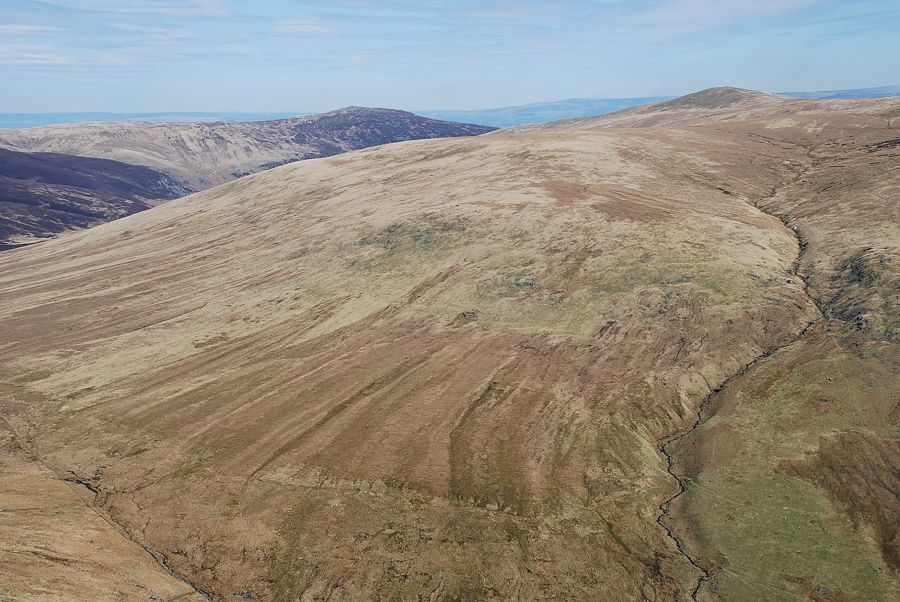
point(292, 55)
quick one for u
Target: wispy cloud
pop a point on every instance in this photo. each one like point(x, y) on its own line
point(302, 26)
point(181, 8)
point(21, 29)
point(28, 54)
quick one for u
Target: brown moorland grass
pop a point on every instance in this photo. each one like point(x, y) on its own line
point(445, 370)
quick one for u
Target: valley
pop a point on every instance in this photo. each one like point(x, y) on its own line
point(45, 194)
point(63, 177)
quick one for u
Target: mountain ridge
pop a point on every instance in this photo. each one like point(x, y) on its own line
point(534, 112)
point(209, 153)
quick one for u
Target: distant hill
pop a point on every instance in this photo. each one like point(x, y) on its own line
point(201, 155)
point(880, 92)
point(43, 194)
point(545, 112)
point(542, 112)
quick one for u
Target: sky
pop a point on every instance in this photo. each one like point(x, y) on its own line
point(317, 55)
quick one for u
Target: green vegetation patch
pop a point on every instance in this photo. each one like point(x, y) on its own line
point(863, 290)
point(540, 296)
point(507, 303)
point(513, 284)
point(777, 538)
point(721, 284)
point(429, 237)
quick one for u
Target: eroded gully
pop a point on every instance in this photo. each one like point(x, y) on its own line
point(700, 417)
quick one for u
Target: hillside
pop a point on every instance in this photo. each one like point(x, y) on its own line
point(654, 363)
point(201, 155)
point(44, 194)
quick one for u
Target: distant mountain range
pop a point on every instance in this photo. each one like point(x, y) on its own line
point(545, 112)
point(880, 92)
point(539, 112)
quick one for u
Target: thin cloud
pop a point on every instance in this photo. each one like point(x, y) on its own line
point(19, 29)
point(299, 26)
point(181, 8)
point(22, 54)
